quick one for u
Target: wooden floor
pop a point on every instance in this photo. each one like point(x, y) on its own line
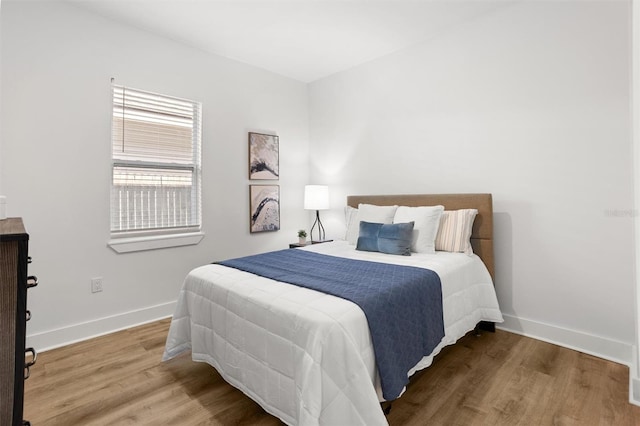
point(494, 379)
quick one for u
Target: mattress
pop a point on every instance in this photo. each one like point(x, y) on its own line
point(304, 356)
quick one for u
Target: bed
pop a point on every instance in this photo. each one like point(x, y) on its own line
point(307, 357)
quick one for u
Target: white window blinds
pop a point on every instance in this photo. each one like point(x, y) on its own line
point(156, 163)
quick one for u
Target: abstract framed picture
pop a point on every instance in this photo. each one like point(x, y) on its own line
point(264, 202)
point(264, 156)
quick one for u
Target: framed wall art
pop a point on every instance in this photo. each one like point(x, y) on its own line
point(263, 156)
point(264, 202)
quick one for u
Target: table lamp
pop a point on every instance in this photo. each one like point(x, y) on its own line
point(316, 197)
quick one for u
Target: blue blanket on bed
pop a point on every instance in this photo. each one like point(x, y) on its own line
point(403, 304)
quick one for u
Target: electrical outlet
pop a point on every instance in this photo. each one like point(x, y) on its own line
point(96, 285)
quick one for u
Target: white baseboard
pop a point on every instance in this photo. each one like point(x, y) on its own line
point(601, 347)
point(63, 336)
point(634, 391)
point(634, 381)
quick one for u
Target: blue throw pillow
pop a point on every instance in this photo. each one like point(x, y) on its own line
point(368, 236)
point(386, 238)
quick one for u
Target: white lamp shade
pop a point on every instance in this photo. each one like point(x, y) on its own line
point(316, 197)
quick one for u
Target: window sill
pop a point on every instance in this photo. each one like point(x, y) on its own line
point(127, 245)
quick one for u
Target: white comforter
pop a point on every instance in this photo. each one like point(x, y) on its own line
point(304, 356)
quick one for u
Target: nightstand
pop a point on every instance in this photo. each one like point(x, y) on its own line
point(308, 243)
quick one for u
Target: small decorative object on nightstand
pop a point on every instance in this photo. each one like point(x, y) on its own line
point(302, 237)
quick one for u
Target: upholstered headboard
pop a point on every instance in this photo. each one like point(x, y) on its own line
point(482, 234)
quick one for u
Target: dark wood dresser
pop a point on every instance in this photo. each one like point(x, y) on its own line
point(15, 359)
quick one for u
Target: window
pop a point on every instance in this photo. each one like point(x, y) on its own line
point(155, 188)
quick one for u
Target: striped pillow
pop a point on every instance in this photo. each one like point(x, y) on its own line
point(454, 233)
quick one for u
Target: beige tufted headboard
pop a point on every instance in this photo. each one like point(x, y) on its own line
point(482, 235)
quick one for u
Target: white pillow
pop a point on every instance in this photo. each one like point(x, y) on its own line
point(426, 222)
point(454, 234)
point(368, 213)
point(353, 226)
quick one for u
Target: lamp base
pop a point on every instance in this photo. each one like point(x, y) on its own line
point(321, 235)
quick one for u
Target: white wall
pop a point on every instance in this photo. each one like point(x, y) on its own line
point(57, 61)
point(634, 394)
point(532, 104)
point(0, 103)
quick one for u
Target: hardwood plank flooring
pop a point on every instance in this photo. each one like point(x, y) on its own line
point(493, 379)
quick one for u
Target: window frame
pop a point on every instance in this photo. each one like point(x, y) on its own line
point(129, 240)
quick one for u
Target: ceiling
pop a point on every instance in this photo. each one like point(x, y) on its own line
point(302, 39)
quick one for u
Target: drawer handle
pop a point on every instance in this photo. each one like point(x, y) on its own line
point(28, 315)
point(34, 357)
point(29, 259)
point(32, 281)
point(27, 365)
